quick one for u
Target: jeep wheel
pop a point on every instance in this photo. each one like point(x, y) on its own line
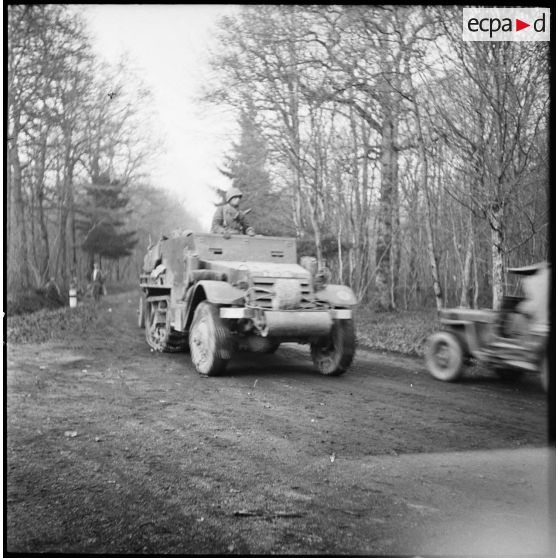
point(444, 356)
point(210, 341)
point(333, 355)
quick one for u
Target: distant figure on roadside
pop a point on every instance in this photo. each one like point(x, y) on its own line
point(52, 291)
point(229, 219)
point(98, 282)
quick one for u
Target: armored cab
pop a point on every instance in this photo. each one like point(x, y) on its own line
point(216, 295)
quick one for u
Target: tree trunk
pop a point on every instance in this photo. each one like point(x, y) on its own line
point(475, 280)
point(73, 230)
point(62, 259)
point(366, 255)
point(429, 232)
point(385, 232)
point(395, 256)
point(339, 253)
point(432, 259)
point(295, 134)
point(17, 264)
point(90, 264)
point(66, 207)
point(312, 210)
point(44, 231)
point(496, 216)
point(466, 276)
point(34, 264)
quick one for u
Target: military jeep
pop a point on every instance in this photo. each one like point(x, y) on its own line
point(215, 295)
point(510, 341)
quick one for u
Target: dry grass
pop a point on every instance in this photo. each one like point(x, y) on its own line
point(45, 325)
point(400, 332)
point(31, 301)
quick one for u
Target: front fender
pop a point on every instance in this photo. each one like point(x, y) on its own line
point(337, 295)
point(218, 292)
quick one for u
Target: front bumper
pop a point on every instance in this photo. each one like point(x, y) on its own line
point(229, 313)
point(289, 324)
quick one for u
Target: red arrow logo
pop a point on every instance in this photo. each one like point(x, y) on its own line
point(519, 25)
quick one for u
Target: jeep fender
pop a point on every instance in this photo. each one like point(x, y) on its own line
point(337, 295)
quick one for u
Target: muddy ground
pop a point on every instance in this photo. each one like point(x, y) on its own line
point(114, 448)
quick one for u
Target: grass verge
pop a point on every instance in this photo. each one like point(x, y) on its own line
point(46, 325)
point(32, 301)
point(400, 332)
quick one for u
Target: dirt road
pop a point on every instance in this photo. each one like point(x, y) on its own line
point(114, 448)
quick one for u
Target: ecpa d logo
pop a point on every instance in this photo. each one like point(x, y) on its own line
point(506, 24)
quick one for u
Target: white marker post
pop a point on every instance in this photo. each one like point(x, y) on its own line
point(73, 298)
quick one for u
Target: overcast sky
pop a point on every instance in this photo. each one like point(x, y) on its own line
point(169, 45)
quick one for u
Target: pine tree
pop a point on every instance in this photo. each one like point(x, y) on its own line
point(102, 217)
point(246, 166)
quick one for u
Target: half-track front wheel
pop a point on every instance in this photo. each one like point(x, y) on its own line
point(444, 356)
point(333, 355)
point(210, 341)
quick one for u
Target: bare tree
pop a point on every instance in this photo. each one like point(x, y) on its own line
point(503, 102)
point(401, 144)
point(65, 122)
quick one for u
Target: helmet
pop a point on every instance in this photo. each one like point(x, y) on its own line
point(232, 193)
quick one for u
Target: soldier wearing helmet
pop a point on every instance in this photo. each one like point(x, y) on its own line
point(228, 218)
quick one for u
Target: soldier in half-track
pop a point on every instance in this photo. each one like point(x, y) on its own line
point(229, 219)
point(219, 293)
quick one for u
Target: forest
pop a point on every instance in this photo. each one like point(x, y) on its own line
point(79, 149)
point(413, 164)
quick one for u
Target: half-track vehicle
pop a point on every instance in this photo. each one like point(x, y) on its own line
point(216, 294)
point(510, 340)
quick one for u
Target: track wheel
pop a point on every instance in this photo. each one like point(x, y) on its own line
point(444, 356)
point(334, 354)
point(210, 341)
point(157, 324)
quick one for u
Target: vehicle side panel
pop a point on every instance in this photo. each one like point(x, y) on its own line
point(245, 248)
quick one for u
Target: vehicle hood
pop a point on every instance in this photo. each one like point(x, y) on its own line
point(264, 269)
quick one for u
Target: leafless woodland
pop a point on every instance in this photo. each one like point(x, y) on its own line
point(415, 165)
